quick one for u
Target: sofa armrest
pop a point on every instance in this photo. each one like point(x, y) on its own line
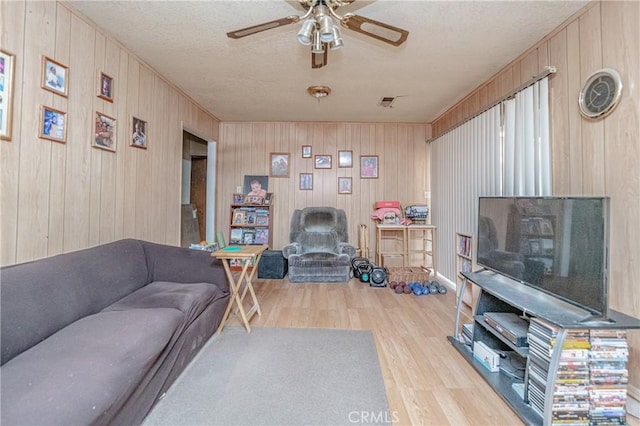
point(183, 265)
point(347, 249)
point(292, 248)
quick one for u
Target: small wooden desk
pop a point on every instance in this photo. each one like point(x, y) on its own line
point(246, 253)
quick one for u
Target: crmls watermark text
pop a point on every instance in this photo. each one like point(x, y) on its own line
point(373, 417)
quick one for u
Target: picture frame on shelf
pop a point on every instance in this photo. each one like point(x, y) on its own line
point(138, 133)
point(306, 181)
point(253, 199)
point(279, 164)
point(7, 72)
point(238, 217)
point(345, 159)
point(53, 124)
point(322, 162)
point(345, 185)
point(369, 167)
point(256, 185)
point(238, 198)
point(55, 76)
point(306, 151)
point(104, 132)
point(268, 198)
point(105, 87)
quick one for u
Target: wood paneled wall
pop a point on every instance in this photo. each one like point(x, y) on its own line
point(589, 157)
point(244, 148)
point(62, 197)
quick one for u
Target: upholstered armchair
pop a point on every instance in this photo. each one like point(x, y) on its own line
point(319, 250)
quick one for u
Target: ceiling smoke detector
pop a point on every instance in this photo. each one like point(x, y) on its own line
point(387, 101)
point(319, 92)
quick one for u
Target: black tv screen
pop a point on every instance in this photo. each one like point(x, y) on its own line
point(556, 244)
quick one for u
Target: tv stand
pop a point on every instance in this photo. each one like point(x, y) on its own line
point(501, 294)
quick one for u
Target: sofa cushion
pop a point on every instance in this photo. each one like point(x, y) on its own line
point(190, 299)
point(41, 297)
point(86, 369)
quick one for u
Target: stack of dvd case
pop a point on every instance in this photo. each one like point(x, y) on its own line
point(571, 391)
point(609, 377)
point(467, 333)
point(542, 339)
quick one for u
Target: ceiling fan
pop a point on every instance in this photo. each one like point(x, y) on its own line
point(319, 31)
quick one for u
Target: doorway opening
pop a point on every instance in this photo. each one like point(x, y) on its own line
point(198, 189)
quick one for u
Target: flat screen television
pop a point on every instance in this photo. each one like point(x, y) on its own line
point(558, 245)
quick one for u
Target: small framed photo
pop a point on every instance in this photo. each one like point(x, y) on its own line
point(369, 166)
point(345, 158)
point(322, 162)
point(344, 185)
point(7, 71)
point(105, 87)
point(55, 76)
point(105, 132)
point(238, 217)
point(306, 151)
point(306, 181)
point(268, 198)
point(238, 198)
point(138, 133)
point(279, 164)
point(253, 199)
point(53, 124)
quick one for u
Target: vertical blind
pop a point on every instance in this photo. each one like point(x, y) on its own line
point(503, 151)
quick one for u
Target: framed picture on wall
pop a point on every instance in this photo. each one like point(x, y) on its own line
point(306, 181)
point(55, 76)
point(279, 164)
point(306, 151)
point(53, 124)
point(322, 162)
point(345, 158)
point(344, 185)
point(7, 71)
point(369, 166)
point(105, 87)
point(105, 132)
point(138, 133)
point(256, 185)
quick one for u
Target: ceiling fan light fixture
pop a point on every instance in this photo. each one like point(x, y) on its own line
point(318, 45)
point(326, 28)
point(306, 32)
point(337, 42)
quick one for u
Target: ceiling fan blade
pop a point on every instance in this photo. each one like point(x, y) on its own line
point(263, 27)
point(318, 60)
point(378, 30)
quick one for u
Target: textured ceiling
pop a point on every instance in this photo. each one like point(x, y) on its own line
point(453, 47)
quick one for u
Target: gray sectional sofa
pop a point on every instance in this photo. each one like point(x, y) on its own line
point(96, 336)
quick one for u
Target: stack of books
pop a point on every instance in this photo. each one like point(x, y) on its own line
point(609, 377)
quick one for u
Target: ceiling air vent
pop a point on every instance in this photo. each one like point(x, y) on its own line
point(387, 101)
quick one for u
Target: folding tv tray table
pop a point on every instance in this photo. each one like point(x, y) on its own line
point(245, 253)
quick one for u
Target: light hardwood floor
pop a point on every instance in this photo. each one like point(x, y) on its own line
point(427, 381)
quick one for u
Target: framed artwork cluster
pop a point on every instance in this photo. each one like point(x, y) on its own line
point(53, 122)
point(368, 168)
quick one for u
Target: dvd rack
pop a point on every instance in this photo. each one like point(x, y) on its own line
point(575, 367)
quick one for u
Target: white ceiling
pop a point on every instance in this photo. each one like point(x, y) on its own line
point(453, 47)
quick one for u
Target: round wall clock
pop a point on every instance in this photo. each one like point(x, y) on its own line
point(600, 93)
